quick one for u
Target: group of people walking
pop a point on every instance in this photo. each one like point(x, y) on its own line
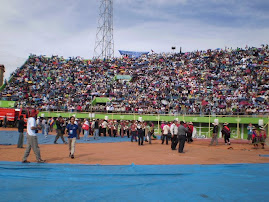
point(255, 136)
point(177, 133)
point(226, 133)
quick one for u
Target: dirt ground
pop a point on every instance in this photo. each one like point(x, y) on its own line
point(126, 153)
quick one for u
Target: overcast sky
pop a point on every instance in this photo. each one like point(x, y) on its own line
point(68, 27)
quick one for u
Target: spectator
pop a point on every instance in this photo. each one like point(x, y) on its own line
point(21, 130)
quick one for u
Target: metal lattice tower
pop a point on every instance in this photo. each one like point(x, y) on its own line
point(104, 42)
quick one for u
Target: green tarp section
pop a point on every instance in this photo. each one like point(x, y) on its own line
point(7, 104)
point(101, 100)
point(123, 77)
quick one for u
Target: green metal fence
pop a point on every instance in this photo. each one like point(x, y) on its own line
point(203, 124)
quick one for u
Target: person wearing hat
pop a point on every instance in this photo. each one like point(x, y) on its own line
point(226, 132)
point(262, 136)
point(255, 137)
point(32, 138)
point(190, 130)
point(215, 134)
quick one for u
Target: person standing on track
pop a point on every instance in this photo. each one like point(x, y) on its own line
point(20, 129)
point(51, 124)
point(226, 132)
point(104, 126)
point(151, 131)
point(32, 138)
point(262, 136)
point(190, 130)
point(215, 134)
point(96, 129)
point(133, 132)
point(174, 140)
point(140, 133)
point(166, 130)
point(59, 125)
point(181, 134)
point(250, 129)
point(86, 128)
point(72, 131)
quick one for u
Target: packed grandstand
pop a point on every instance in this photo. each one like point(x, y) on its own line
point(216, 82)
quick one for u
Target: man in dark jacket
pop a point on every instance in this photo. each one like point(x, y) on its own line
point(20, 130)
point(181, 135)
point(59, 130)
point(226, 132)
point(215, 134)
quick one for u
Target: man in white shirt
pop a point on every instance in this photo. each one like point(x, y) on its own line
point(166, 130)
point(104, 126)
point(174, 140)
point(32, 138)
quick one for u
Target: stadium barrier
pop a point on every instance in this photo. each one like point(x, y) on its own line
point(203, 124)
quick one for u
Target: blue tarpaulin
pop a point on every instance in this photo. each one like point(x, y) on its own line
point(11, 138)
point(64, 182)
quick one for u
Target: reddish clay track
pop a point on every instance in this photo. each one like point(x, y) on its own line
point(126, 153)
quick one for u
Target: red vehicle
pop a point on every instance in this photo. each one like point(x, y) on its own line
point(12, 115)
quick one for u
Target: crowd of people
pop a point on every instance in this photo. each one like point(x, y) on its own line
point(216, 82)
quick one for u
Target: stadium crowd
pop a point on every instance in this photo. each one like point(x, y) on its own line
point(216, 82)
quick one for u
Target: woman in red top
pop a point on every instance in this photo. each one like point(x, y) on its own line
point(133, 132)
point(255, 138)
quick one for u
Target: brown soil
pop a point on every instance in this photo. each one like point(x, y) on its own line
point(126, 153)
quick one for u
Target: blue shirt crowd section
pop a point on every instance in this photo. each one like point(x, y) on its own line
point(11, 138)
point(64, 182)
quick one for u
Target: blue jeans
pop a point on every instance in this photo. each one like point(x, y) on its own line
point(96, 133)
point(86, 133)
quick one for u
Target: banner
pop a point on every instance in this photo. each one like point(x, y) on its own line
point(133, 53)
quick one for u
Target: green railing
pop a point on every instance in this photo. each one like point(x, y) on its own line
point(237, 124)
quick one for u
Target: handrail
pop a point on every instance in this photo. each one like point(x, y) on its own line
point(174, 115)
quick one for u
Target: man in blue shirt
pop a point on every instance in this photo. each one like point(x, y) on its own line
point(72, 131)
